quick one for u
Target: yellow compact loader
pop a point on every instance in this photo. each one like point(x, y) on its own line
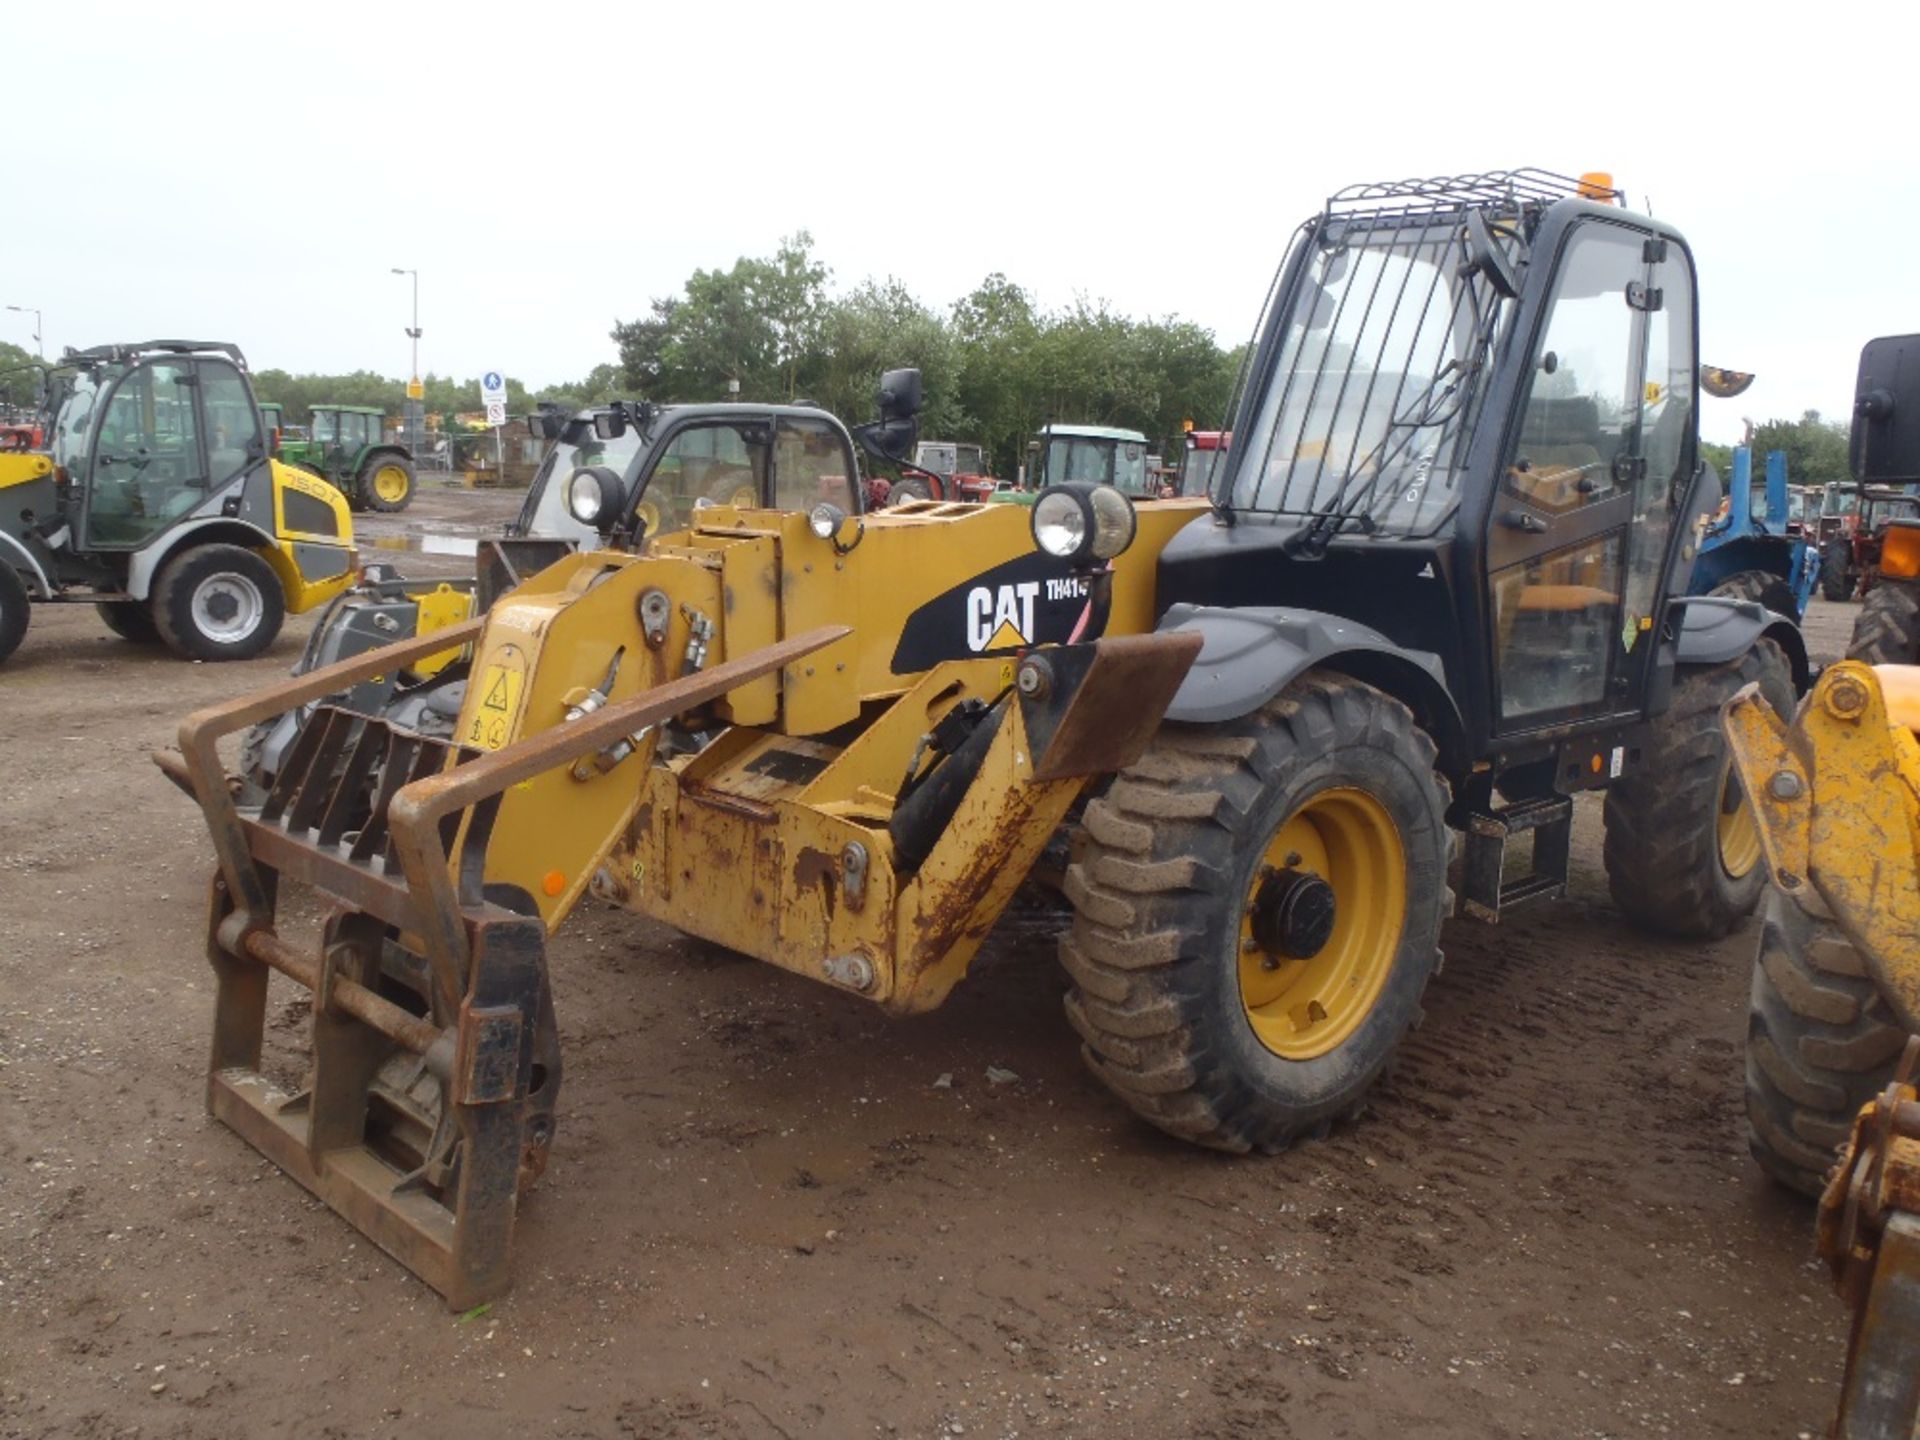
point(1440, 583)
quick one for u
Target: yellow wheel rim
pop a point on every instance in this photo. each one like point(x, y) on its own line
point(1739, 836)
point(744, 497)
point(390, 483)
point(650, 517)
point(1302, 1007)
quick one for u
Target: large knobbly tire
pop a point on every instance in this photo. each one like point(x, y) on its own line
point(1160, 895)
point(387, 484)
point(1762, 587)
point(909, 488)
point(1836, 571)
point(1665, 851)
point(1820, 1044)
point(218, 602)
point(13, 609)
point(1887, 629)
point(130, 620)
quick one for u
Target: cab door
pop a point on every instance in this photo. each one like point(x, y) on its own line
point(147, 464)
point(1578, 531)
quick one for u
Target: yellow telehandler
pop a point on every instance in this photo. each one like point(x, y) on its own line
point(1440, 582)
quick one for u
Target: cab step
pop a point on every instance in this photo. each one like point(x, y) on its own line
point(1485, 889)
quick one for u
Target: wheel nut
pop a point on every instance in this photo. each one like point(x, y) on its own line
point(1785, 785)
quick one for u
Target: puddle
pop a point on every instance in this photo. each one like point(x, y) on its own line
point(424, 544)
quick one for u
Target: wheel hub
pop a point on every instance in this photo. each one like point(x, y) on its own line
point(1293, 914)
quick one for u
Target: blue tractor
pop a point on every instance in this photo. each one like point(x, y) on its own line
point(1749, 554)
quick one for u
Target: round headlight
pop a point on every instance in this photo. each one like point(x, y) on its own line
point(1114, 522)
point(1060, 523)
point(593, 495)
point(825, 520)
point(584, 501)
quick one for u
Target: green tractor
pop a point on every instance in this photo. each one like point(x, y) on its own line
point(344, 445)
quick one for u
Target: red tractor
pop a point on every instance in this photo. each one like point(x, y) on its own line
point(1853, 526)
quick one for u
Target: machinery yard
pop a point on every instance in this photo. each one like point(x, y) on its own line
point(774, 1211)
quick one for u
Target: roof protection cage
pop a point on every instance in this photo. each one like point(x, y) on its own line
point(1369, 384)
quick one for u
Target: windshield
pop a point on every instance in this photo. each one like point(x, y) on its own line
point(68, 441)
point(1374, 375)
point(1120, 463)
point(544, 516)
point(1197, 467)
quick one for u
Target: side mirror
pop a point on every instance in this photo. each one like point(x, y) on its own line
point(547, 424)
point(1485, 256)
point(1884, 448)
point(900, 394)
point(610, 424)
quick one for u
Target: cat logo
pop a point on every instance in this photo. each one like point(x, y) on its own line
point(1000, 617)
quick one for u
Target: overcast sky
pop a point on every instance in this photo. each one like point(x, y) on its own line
point(251, 173)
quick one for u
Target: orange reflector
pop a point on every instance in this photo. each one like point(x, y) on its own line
point(1900, 551)
point(554, 882)
point(1594, 764)
point(1597, 185)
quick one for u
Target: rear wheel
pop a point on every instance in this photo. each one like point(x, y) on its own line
point(909, 487)
point(387, 484)
point(130, 620)
point(1763, 587)
point(1820, 1044)
point(1682, 851)
point(739, 491)
point(218, 602)
point(13, 610)
point(1836, 571)
point(1887, 629)
point(1256, 915)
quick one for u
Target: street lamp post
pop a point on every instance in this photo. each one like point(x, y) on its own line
point(38, 344)
point(415, 416)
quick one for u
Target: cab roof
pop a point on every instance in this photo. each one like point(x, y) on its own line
point(1093, 432)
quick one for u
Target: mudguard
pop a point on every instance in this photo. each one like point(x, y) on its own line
point(13, 553)
point(1248, 655)
point(1715, 629)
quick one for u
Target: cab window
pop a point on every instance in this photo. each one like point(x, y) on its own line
point(148, 470)
point(811, 463)
point(718, 464)
point(233, 426)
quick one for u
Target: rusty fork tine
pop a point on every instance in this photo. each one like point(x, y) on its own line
point(346, 790)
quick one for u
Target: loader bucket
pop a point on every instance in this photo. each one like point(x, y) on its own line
point(429, 1105)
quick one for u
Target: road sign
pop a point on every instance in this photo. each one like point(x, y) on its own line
point(493, 388)
point(496, 412)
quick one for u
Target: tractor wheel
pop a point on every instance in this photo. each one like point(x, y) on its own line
point(737, 490)
point(13, 609)
point(1682, 850)
point(218, 602)
point(1836, 572)
point(387, 484)
point(1887, 629)
point(130, 620)
point(1256, 914)
point(908, 488)
point(1820, 1044)
point(1763, 587)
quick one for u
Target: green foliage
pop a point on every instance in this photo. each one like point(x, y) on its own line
point(994, 368)
point(19, 376)
point(1720, 457)
point(1816, 449)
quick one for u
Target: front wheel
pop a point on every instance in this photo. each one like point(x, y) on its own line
point(1682, 851)
point(1821, 1042)
point(1256, 914)
point(13, 609)
point(387, 484)
point(218, 602)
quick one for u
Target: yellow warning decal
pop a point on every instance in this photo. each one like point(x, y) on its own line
point(493, 703)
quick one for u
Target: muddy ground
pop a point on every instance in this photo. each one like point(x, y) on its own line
point(764, 1217)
